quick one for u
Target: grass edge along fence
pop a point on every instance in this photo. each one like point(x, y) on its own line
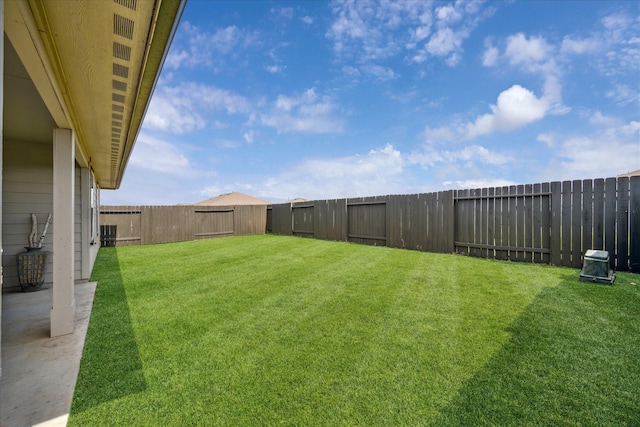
point(553, 223)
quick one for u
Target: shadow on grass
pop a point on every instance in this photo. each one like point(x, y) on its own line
point(573, 359)
point(110, 367)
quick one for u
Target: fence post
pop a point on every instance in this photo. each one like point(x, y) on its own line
point(634, 224)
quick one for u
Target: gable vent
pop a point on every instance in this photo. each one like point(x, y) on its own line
point(121, 51)
point(131, 4)
point(123, 26)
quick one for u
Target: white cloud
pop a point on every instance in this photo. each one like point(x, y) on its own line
point(466, 156)
point(306, 112)
point(307, 20)
point(527, 52)
point(367, 31)
point(477, 183)
point(516, 107)
point(160, 156)
point(175, 115)
point(275, 69)
point(600, 119)
point(490, 55)
point(377, 172)
point(188, 106)
point(613, 151)
point(194, 47)
point(547, 138)
point(580, 46)
point(624, 94)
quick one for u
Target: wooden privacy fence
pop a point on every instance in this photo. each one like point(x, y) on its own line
point(141, 225)
point(552, 223)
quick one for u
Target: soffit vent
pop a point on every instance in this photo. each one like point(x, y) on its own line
point(120, 71)
point(122, 26)
point(118, 85)
point(115, 97)
point(121, 51)
point(131, 4)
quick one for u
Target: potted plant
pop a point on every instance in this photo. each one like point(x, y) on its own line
point(32, 263)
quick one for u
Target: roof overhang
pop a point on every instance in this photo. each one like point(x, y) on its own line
point(95, 65)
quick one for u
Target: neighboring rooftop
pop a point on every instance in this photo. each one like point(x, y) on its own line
point(233, 199)
point(630, 174)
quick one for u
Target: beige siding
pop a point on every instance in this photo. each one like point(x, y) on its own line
point(28, 188)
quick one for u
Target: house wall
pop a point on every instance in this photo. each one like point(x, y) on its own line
point(28, 188)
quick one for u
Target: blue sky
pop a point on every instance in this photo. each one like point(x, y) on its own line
point(329, 100)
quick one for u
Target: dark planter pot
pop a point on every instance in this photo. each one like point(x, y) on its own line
point(32, 266)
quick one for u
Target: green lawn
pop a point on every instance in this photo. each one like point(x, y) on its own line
point(268, 330)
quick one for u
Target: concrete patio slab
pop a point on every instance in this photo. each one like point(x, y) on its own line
point(38, 372)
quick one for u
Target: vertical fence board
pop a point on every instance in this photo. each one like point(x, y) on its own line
point(545, 231)
point(566, 224)
point(598, 214)
point(556, 223)
point(587, 218)
point(476, 223)
point(512, 201)
point(432, 215)
point(576, 223)
point(462, 220)
point(610, 220)
point(491, 221)
point(528, 221)
point(536, 221)
point(502, 222)
point(634, 224)
point(445, 221)
point(520, 222)
point(622, 232)
point(483, 223)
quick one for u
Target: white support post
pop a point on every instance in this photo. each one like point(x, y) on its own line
point(85, 208)
point(62, 310)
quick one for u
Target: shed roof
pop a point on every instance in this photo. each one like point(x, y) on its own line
point(233, 199)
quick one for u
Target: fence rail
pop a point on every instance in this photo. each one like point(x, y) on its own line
point(552, 222)
point(141, 225)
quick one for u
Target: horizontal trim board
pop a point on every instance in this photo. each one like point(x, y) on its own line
point(503, 196)
point(215, 233)
point(366, 203)
point(215, 210)
point(363, 236)
point(125, 239)
point(301, 206)
point(119, 212)
point(503, 248)
point(303, 232)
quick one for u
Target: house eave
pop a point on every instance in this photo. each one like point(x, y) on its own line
point(95, 65)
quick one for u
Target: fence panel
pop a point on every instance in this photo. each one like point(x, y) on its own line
point(213, 223)
point(249, 219)
point(127, 221)
point(367, 221)
point(281, 223)
point(302, 217)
